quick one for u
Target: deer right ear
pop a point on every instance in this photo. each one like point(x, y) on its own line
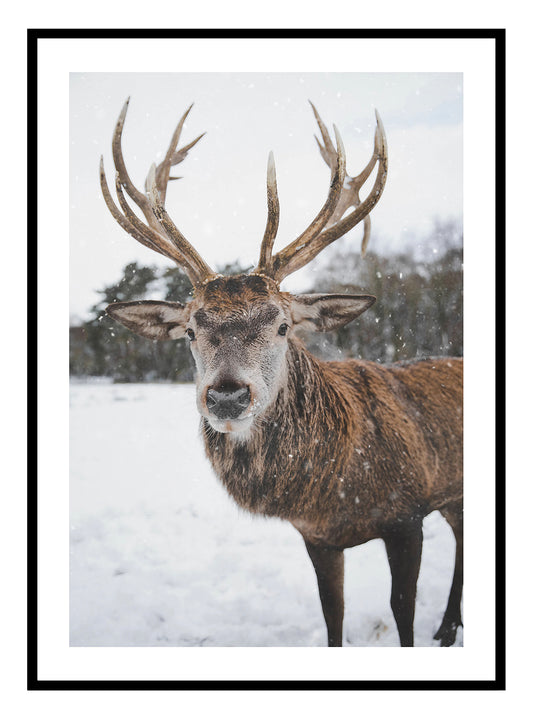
point(152, 319)
point(328, 312)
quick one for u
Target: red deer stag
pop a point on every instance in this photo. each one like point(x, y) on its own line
point(345, 451)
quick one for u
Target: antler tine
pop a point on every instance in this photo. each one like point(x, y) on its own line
point(154, 240)
point(356, 183)
point(359, 180)
point(200, 267)
point(265, 256)
point(298, 254)
point(138, 198)
point(138, 230)
point(328, 149)
point(329, 155)
point(172, 157)
point(352, 185)
point(124, 222)
point(362, 210)
point(179, 156)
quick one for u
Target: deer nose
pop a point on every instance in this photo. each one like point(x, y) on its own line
point(227, 401)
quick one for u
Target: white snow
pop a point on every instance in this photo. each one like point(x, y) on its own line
point(160, 555)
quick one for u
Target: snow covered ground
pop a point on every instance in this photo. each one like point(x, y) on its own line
point(160, 555)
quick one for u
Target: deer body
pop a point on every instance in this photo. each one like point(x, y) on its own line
point(342, 454)
point(346, 451)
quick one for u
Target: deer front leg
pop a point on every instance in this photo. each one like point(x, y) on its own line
point(404, 550)
point(329, 567)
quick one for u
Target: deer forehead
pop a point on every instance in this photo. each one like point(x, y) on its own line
point(239, 302)
point(226, 291)
point(237, 319)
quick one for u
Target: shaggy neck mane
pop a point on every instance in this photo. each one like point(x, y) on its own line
point(274, 472)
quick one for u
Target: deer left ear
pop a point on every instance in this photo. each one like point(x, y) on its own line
point(152, 319)
point(328, 312)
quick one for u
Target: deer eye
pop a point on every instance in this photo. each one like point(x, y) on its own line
point(190, 334)
point(282, 330)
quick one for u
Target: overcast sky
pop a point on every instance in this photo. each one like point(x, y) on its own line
point(220, 205)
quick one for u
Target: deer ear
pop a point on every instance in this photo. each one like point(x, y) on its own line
point(328, 312)
point(152, 319)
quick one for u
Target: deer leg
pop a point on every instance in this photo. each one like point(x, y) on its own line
point(404, 550)
point(329, 567)
point(452, 615)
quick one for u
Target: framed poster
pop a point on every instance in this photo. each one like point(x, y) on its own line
point(165, 583)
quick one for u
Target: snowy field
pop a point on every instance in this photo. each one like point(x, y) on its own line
point(160, 556)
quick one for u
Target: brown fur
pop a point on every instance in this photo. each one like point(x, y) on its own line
point(348, 452)
point(350, 448)
point(345, 451)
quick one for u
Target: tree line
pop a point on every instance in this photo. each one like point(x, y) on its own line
point(418, 312)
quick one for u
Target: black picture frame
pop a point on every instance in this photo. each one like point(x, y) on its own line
point(33, 680)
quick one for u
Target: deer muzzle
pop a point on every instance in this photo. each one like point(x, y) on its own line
point(227, 402)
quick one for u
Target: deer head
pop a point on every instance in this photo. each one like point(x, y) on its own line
point(239, 327)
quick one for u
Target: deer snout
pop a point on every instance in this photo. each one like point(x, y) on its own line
point(227, 402)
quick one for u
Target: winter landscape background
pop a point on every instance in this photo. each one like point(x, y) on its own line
point(159, 555)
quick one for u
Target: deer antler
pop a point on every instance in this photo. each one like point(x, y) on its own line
point(329, 224)
point(160, 234)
